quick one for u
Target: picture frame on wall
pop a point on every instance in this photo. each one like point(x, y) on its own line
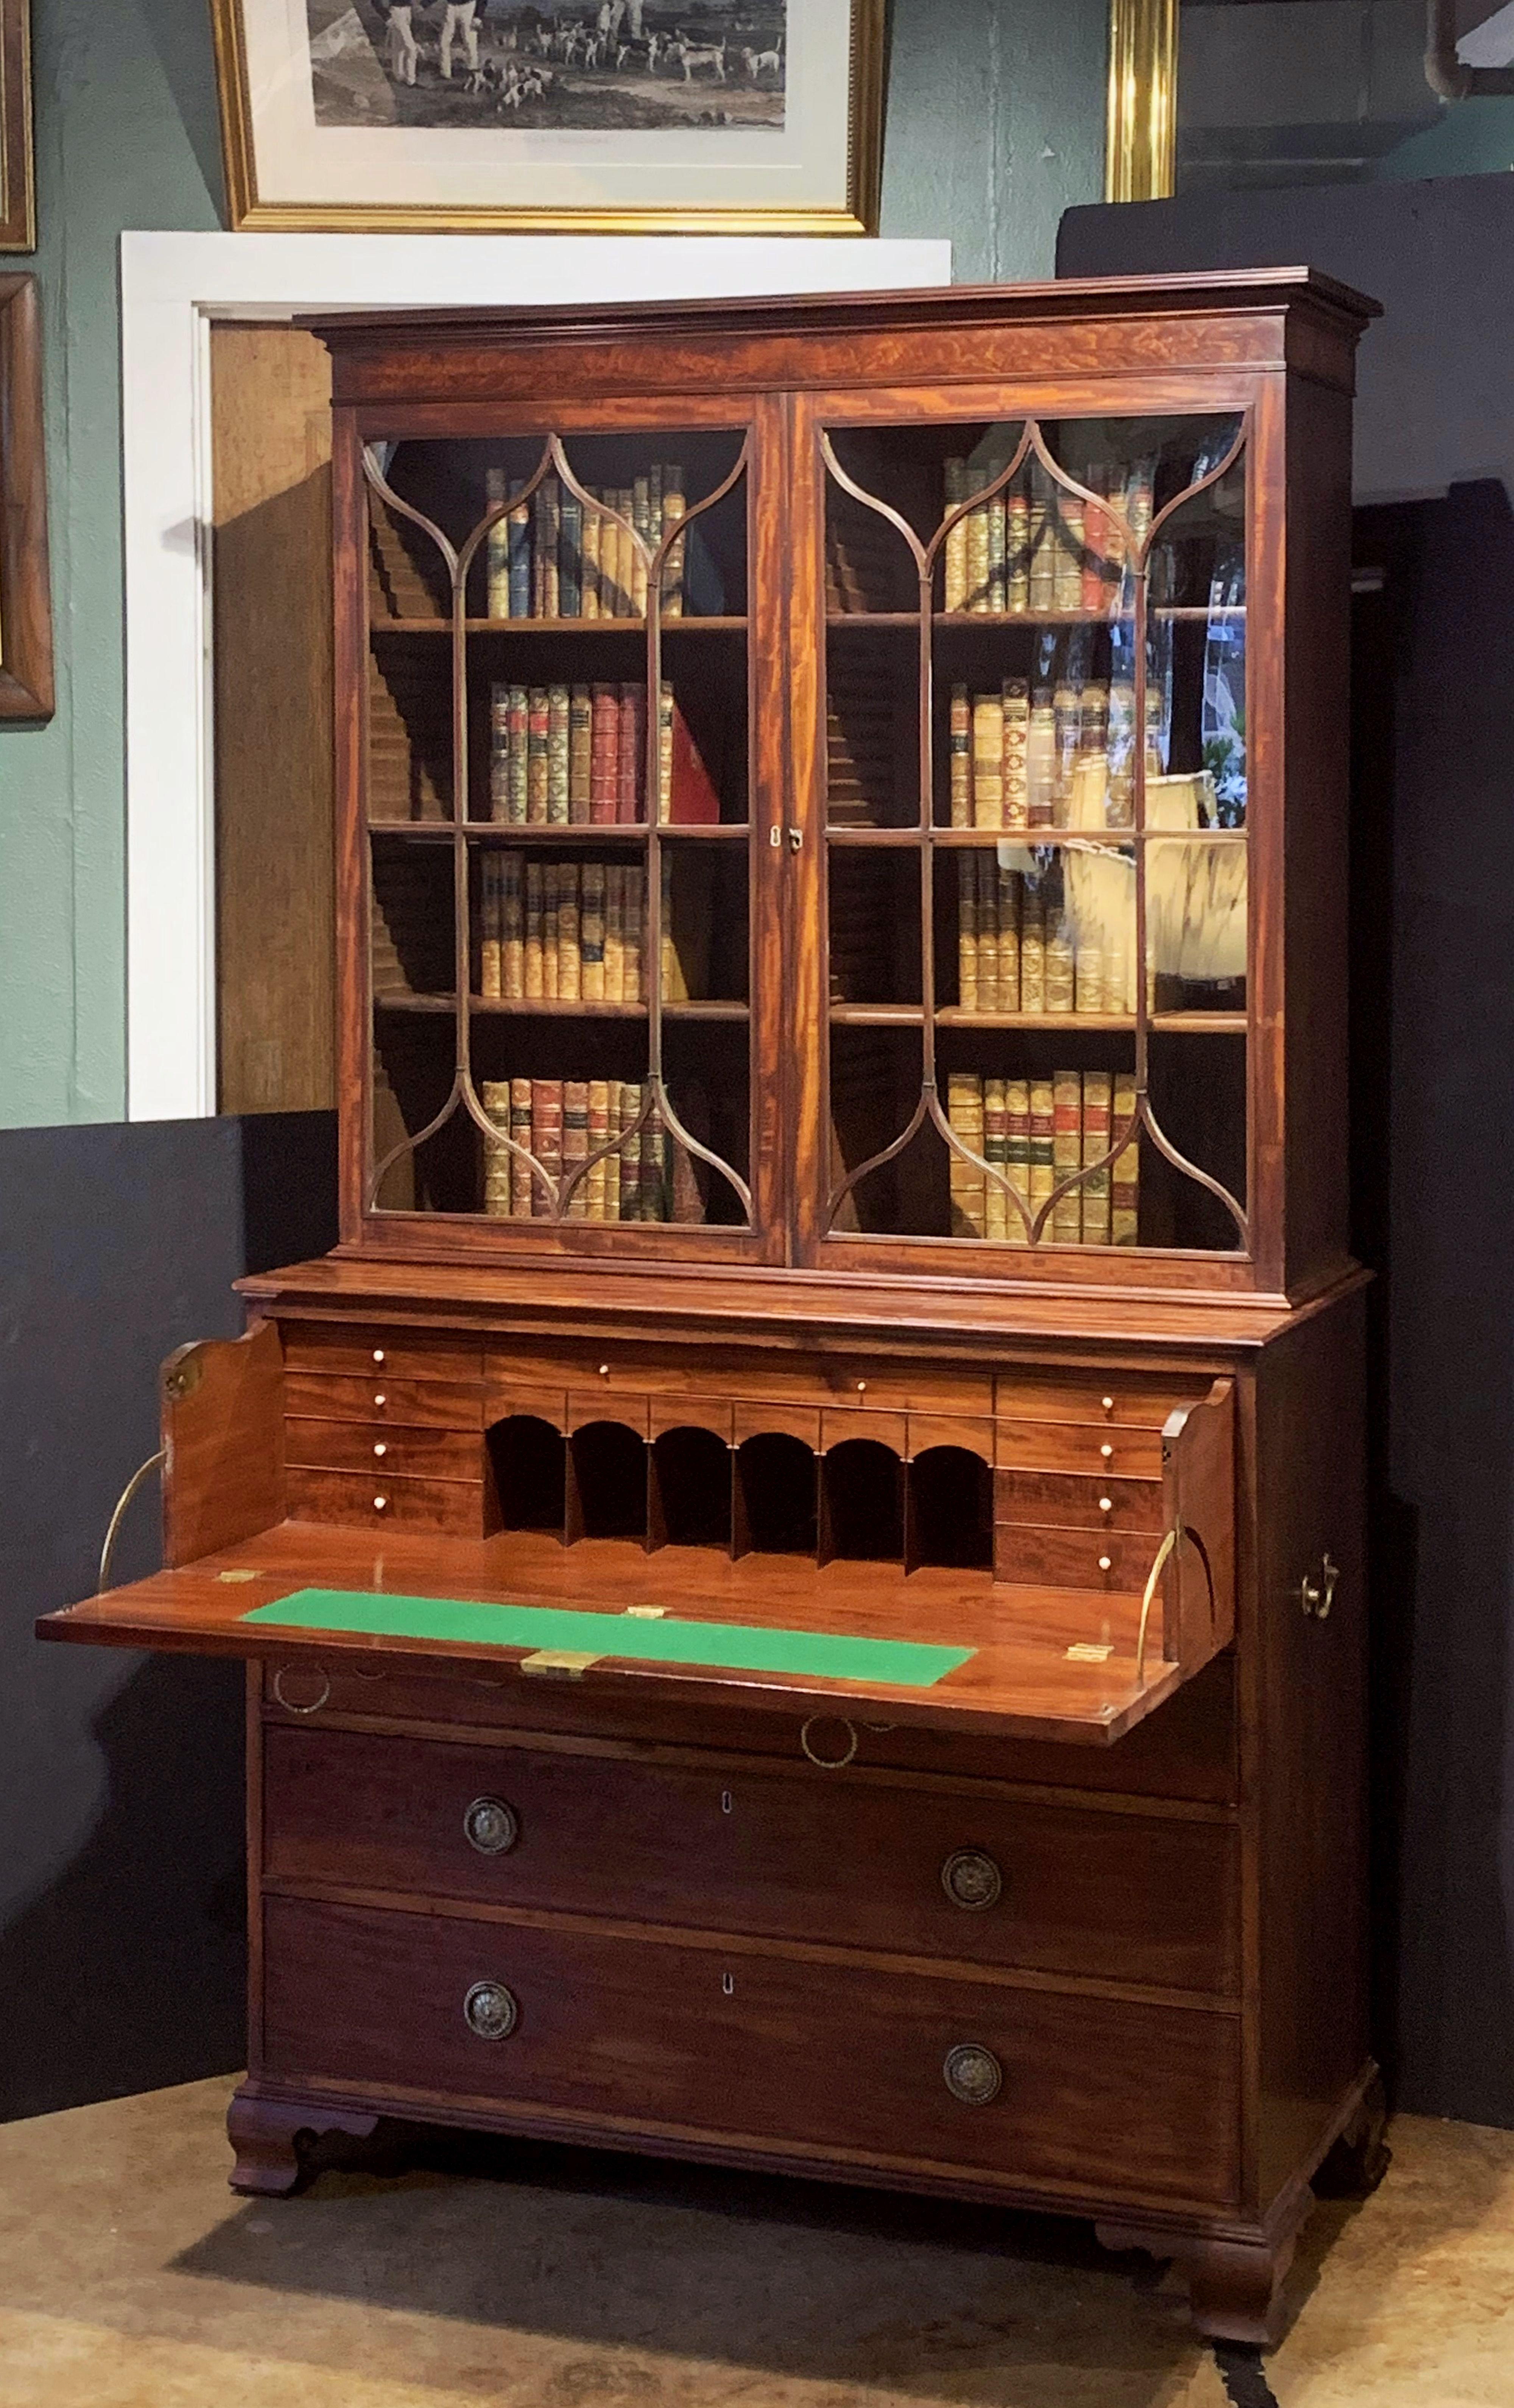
point(18, 189)
point(25, 592)
point(551, 116)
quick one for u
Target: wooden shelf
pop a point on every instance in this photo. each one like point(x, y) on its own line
point(556, 1008)
point(712, 626)
point(1190, 610)
point(1034, 840)
point(618, 832)
point(952, 1015)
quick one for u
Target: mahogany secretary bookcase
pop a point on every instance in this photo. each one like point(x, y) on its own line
point(801, 1565)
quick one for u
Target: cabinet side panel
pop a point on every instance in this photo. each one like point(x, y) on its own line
point(1309, 1776)
point(1315, 737)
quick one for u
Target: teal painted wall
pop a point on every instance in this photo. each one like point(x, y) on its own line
point(996, 118)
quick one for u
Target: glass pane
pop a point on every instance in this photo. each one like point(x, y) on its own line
point(598, 683)
point(994, 1041)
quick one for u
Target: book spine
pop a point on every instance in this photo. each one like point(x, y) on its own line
point(997, 542)
point(665, 708)
point(1042, 587)
point(570, 556)
point(630, 746)
point(547, 1132)
point(598, 1137)
point(675, 510)
point(965, 1115)
point(518, 762)
point(490, 913)
point(581, 756)
point(1125, 1171)
point(1060, 978)
point(604, 748)
point(512, 927)
point(613, 1163)
point(558, 733)
point(537, 722)
point(641, 521)
point(986, 914)
point(538, 552)
point(497, 547)
point(1041, 761)
point(1094, 592)
point(987, 761)
point(960, 732)
point(499, 752)
point(524, 1191)
point(1031, 950)
point(1067, 1155)
point(1007, 914)
point(1016, 1111)
point(1017, 549)
point(1043, 1172)
point(1097, 1107)
point(1067, 577)
point(625, 554)
point(1016, 709)
point(954, 585)
point(633, 951)
point(494, 1096)
point(1067, 723)
point(997, 1154)
point(967, 931)
point(518, 544)
point(531, 965)
point(614, 933)
point(631, 1102)
point(550, 958)
point(652, 1194)
point(570, 939)
point(674, 983)
point(589, 543)
point(550, 529)
point(591, 932)
point(575, 1143)
point(977, 546)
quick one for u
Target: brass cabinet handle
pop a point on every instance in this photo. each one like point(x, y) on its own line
point(490, 1826)
point(288, 1703)
point(973, 2074)
point(972, 1880)
point(490, 2011)
point(829, 1763)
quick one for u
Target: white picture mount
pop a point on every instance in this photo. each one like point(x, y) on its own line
point(174, 287)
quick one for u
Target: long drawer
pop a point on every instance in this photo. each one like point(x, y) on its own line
point(456, 1507)
point(379, 1450)
point(1022, 2087)
point(411, 1404)
point(912, 1873)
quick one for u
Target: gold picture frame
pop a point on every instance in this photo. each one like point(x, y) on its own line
point(253, 208)
point(18, 186)
point(26, 688)
point(1140, 155)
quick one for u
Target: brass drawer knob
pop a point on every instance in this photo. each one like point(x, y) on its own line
point(972, 2074)
point(491, 1825)
point(972, 1880)
point(490, 2011)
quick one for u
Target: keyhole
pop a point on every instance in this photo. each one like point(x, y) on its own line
point(728, 1986)
point(725, 1801)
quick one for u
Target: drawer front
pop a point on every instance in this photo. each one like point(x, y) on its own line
point(453, 1506)
point(385, 1449)
point(1125, 1404)
point(1187, 1750)
point(1111, 2096)
point(1094, 1447)
point(399, 1355)
point(1067, 1499)
point(1043, 1558)
point(409, 1404)
point(1056, 1889)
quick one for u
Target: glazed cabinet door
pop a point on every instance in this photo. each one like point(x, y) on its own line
point(560, 964)
point(1028, 779)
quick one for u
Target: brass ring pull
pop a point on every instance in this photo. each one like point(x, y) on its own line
point(288, 1703)
point(829, 1763)
point(490, 2011)
point(973, 2074)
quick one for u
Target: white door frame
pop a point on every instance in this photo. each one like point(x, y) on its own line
point(173, 287)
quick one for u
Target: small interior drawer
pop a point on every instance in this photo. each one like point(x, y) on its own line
point(419, 1404)
point(1068, 1499)
point(456, 1506)
point(1045, 1557)
point(1046, 1397)
point(384, 1449)
point(1100, 1449)
point(399, 1355)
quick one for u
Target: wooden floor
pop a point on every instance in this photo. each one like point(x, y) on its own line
point(131, 2278)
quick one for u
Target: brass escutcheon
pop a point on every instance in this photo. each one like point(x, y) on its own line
point(490, 1826)
point(490, 2011)
point(972, 2074)
point(972, 1880)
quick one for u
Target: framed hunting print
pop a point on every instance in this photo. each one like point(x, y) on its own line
point(552, 116)
point(25, 602)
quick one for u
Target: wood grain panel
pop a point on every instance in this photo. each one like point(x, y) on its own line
point(222, 1438)
point(270, 390)
point(722, 1847)
point(759, 2046)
